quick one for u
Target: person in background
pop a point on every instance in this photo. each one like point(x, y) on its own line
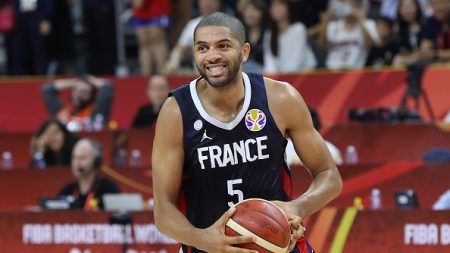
point(157, 91)
point(435, 43)
point(87, 191)
point(29, 39)
point(292, 157)
point(90, 100)
point(408, 37)
point(99, 23)
point(54, 143)
point(255, 15)
point(382, 54)
point(348, 39)
point(183, 47)
point(61, 41)
point(286, 46)
point(150, 19)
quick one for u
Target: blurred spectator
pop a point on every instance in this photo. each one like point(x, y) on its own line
point(255, 15)
point(90, 101)
point(61, 45)
point(382, 54)
point(28, 45)
point(100, 34)
point(88, 189)
point(150, 18)
point(309, 14)
point(443, 203)
point(286, 46)
point(54, 143)
point(408, 36)
point(290, 153)
point(389, 8)
point(435, 44)
point(348, 39)
point(183, 48)
point(157, 91)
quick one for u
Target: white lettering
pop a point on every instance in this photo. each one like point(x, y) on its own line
point(37, 234)
point(235, 153)
point(215, 156)
point(445, 234)
point(247, 150)
point(421, 234)
point(239, 148)
point(261, 147)
point(202, 157)
point(227, 155)
point(149, 234)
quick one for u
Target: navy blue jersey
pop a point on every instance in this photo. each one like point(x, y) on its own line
point(228, 162)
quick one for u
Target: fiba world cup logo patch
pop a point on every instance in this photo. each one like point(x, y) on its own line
point(255, 120)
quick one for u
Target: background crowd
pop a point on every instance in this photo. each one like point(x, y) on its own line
point(48, 37)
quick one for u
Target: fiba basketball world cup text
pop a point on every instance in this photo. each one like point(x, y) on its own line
point(243, 151)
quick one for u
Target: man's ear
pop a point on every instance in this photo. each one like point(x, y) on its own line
point(245, 52)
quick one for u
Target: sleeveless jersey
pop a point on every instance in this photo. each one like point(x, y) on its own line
point(228, 162)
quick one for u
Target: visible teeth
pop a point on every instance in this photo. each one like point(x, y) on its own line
point(215, 68)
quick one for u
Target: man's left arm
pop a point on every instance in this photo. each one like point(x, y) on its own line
point(311, 148)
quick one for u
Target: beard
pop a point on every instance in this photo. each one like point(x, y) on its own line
point(227, 78)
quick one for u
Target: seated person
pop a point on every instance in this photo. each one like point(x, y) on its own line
point(158, 89)
point(54, 143)
point(291, 155)
point(87, 191)
point(90, 96)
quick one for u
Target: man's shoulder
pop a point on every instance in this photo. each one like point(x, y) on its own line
point(278, 86)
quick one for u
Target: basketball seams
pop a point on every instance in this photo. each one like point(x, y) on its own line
point(236, 227)
point(264, 200)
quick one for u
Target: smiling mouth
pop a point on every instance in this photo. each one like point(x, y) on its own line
point(216, 70)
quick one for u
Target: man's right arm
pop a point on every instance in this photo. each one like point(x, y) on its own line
point(167, 173)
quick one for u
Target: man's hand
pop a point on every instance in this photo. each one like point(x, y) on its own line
point(213, 238)
point(297, 230)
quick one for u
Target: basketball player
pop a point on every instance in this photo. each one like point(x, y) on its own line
point(221, 139)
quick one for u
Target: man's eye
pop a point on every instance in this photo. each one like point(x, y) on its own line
point(201, 48)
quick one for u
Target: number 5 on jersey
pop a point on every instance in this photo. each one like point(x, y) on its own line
point(231, 187)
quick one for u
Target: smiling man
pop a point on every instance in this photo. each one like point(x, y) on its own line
point(221, 139)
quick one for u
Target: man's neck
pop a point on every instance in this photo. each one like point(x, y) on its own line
point(86, 182)
point(223, 103)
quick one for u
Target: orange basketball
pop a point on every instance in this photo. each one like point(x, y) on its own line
point(265, 221)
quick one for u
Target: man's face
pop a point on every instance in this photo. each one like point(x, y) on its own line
point(81, 94)
point(82, 159)
point(157, 90)
point(218, 55)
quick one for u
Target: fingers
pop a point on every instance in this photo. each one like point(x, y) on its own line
point(294, 220)
point(298, 233)
point(225, 217)
point(235, 240)
point(295, 235)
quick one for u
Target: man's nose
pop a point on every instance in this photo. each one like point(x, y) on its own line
point(213, 55)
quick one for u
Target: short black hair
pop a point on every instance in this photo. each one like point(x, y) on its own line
point(222, 19)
